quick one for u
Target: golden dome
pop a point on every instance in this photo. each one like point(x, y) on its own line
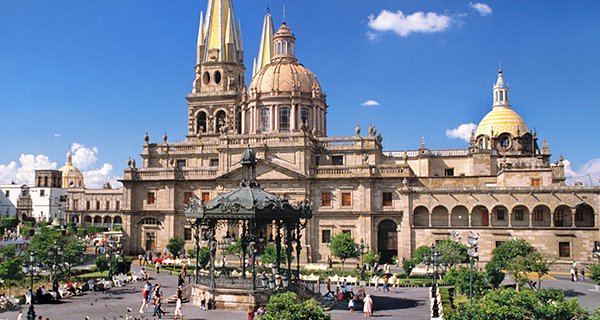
point(284, 75)
point(71, 176)
point(502, 119)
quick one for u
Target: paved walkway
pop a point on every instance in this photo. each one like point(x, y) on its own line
point(124, 303)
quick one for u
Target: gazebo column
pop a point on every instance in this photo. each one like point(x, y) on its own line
point(252, 247)
point(212, 246)
point(288, 248)
point(278, 246)
point(298, 249)
point(244, 241)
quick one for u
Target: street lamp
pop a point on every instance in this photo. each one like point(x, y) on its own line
point(364, 248)
point(455, 242)
point(30, 269)
point(434, 258)
point(55, 252)
point(473, 243)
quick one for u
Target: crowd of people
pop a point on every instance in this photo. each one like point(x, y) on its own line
point(576, 274)
point(346, 293)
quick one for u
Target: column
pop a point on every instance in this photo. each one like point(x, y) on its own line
point(243, 121)
point(450, 218)
point(509, 218)
point(531, 219)
point(293, 111)
point(470, 218)
point(573, 219)
point(552, 219)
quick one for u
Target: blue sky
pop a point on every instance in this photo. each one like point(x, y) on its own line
point(99, 74)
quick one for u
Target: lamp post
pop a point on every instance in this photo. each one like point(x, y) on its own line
point(364, 248)
point(434, 258)
point(456, 241)
point(114, 249)
point(55, 252)
point(473, 244)
point(28, 268)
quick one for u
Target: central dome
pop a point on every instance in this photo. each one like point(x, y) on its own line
point(284, 75)
point(502, 120)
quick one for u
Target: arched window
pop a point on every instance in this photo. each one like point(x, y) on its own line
point(201, 122)
point(284, 119)
point(305, 115)
point(265, 120)
point(220, 120)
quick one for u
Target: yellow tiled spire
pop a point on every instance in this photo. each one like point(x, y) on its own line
point(219, 30)
point(265, 53)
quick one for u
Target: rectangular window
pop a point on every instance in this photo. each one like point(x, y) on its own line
point(214, 162)
point(181, 163)
point(347, 231)
point(326, 199)
point(88, 206)
point(536, 182)
point(337, 160)
point(284, 119)
point(449, 172)
point(206, 196)
point(265, 119)
point(107, 205)
point(519, 215)
point(151, 198)
point(75, 204)
point(564, 249)
point(186, 197)
point(7, 193)
point(387, 199)
point(539, 215)
point(500, 214)
point(559, 218)
point(42, 193)
point(499, 243)
point(118, 205)
point(325, 236)
point(305, 116)
point(97, 205)
point(346, 199)
point(187, 233)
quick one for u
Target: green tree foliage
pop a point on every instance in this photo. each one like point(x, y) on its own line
point(460, 277)
point(452, 253)
point(545, 304)
point(343, 246)
point(371, 257)
point(102, 263)
point(8, 223)
point(269, 255)
point(119, 264)
point(42, 244)
point(408, 265)
point(10, 269)
point(203, 256)
point(175, 246)
point(421, 252)
point(287, 306)
point(594, 271)
point(514, 256)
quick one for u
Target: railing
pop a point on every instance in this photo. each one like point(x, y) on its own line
point(439, 153)
point(361, 171)
point(170, 174)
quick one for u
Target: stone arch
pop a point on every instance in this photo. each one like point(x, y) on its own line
point(460, 216)
point(387, 240)
point(97, 220)
point(107, 221)
point(480, 216)
point(520, 216)
point(439, 216)
point(75, 218)
point(87, 220)
point(563, 217)
point(499, 216)
point(201, 121)
point(220, 120)
point(421, 217)
point(118, 220)
point(541, 216)
point(584, 216)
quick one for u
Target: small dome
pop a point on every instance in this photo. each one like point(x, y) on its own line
point(502, 120)
point(285, 76)
point(71, 176)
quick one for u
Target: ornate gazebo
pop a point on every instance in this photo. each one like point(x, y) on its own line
point(249, 210)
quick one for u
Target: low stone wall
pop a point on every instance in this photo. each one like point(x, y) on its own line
point(228, 299)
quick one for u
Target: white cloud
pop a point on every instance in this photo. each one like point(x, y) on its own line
point(588, 173)
point(404, 25)
point(84, 158)
point(370, 103)
point(462, 132)
point(57, 135)
point(482, 8)
point(24, 172)
point(96, 178)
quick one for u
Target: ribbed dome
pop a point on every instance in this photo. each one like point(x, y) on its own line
point(502, 120)
point(284, 75)
point(71, 176)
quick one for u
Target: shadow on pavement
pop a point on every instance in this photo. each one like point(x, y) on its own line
point(382, 304)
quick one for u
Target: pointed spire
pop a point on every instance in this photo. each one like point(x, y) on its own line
point(501, 91)
point(201, 30)
point(265, 53)
point(423, 146)
point(219, 30)
point(69, 157)
point(545, 147)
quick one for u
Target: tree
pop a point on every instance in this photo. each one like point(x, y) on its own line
point(287, 306)
point(508, 304)
point(203, 256)
point(371, 257)
point(594, 270)
point(420, 253)
point(514, 256)
point(235, 248)
point(269, 255)
point(460, 279)
point(342, 245)
point(452, 253)
point(408, 265)
point(43, 246)
point(175, 246)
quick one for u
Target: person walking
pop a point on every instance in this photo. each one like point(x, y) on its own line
point(20, 316)
point(158, 312)
point(582, 274)
point(145, 294)
point(203, 300)
point(157, 265)
point(351, 303)
point(250, 313)
point(576, 275)
point(184, 271)
point(177, 313)
point(572, 274)
point(140, 257)
point(368, 306)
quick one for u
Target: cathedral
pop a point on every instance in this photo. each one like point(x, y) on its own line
point(503, 186)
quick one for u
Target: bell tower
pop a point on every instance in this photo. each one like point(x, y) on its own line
point(213, 105)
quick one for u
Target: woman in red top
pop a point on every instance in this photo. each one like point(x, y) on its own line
point(250, 313)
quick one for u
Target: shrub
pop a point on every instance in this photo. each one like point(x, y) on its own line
point(287, 306)
point(460, 279)
point(594, 270)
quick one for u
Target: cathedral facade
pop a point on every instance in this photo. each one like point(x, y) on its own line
point(502, 186)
